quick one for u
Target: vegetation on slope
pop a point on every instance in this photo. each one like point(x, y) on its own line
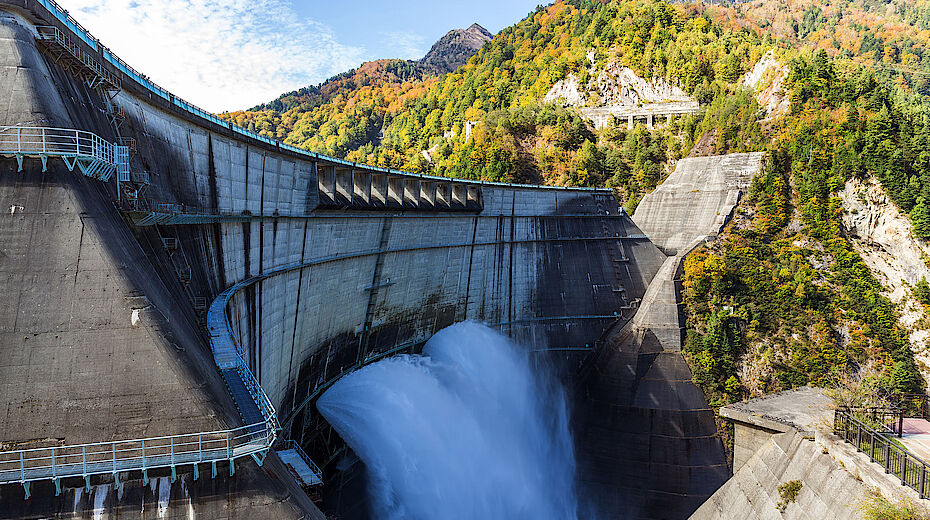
point(389, 119)
point(785, 297)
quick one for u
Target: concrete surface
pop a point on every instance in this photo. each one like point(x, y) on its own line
point(785, 437)
point(652, 113)
point(803, 410)
point(696, 199)
point(73, 368)
point(828, 490)
point(548, 267)
point(916, 437)
point(647, 441)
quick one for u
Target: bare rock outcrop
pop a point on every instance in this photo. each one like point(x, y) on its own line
point(454, 49)
point(615, 85)
point(767, 80)
point(884, 237)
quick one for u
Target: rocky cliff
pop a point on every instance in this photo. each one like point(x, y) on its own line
point(454, 49)
point(884, 236)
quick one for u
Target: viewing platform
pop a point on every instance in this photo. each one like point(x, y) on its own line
point(837, 458)
point(94, 156)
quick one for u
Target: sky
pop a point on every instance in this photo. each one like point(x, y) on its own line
point(235, 54)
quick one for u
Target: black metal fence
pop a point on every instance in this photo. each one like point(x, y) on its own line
point(863, 429)
point(910, 405)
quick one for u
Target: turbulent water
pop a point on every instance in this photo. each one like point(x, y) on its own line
point(467, 430)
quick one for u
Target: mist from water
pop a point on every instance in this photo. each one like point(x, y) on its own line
point(468, 430)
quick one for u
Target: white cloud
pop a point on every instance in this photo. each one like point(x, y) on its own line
point(406, 45)
point(218, 54)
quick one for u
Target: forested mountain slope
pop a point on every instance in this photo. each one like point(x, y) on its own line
point(783, 298)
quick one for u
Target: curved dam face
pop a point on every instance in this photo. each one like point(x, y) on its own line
point(333, 265)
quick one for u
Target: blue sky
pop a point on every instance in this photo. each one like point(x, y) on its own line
point(234, 54)
point(407, 28)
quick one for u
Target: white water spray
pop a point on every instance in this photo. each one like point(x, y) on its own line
point(467, 430)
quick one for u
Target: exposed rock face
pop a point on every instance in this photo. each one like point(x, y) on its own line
point(767, 79)
point(454, 49)
point(884, 237)
point(566, 91)
point(616, 92)
point(615, 85)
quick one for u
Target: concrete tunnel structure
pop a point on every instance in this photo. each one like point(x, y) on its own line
point(123, 284)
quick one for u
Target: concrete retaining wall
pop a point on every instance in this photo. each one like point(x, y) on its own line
point(648, 441)
point(785, 437)
point(827, 489)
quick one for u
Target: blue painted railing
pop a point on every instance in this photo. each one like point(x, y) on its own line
point(143, 81)
point(94, 156)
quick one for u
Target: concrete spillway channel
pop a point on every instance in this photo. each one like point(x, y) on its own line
point(647, 438)
point(104, 336)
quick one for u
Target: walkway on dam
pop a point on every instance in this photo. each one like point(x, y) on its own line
point(103, 343)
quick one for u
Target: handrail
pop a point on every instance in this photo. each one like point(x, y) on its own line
point(880, 448)
point(59, 462)
point(912, 405)
point(54, 34)
point(95, 157)
point(83, 460)
point(62, 15)
point(143, 81)
point(56, 142)
point(291, 444)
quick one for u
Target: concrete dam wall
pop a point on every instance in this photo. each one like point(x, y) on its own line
point(327, 265)
point(647, 439)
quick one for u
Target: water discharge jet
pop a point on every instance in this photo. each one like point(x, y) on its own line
point(470, 429)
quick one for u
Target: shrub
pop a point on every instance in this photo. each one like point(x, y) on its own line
point(879, 508)
point(788, 493)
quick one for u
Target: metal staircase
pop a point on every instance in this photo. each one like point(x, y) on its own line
point(71, 57)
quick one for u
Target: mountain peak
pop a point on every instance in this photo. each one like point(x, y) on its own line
point(454, 49)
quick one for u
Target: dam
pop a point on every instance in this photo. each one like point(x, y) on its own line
point(180, 291)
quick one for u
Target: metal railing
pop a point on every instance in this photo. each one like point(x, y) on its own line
point(55, 141)
point(911, 405)
point(291, 444)
point(257, 392)
point(57, 37)
point(93, 155)
point(147, 212)
point(882, 448)
point(62, 15)
point(115, 457)
point(144, 81)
